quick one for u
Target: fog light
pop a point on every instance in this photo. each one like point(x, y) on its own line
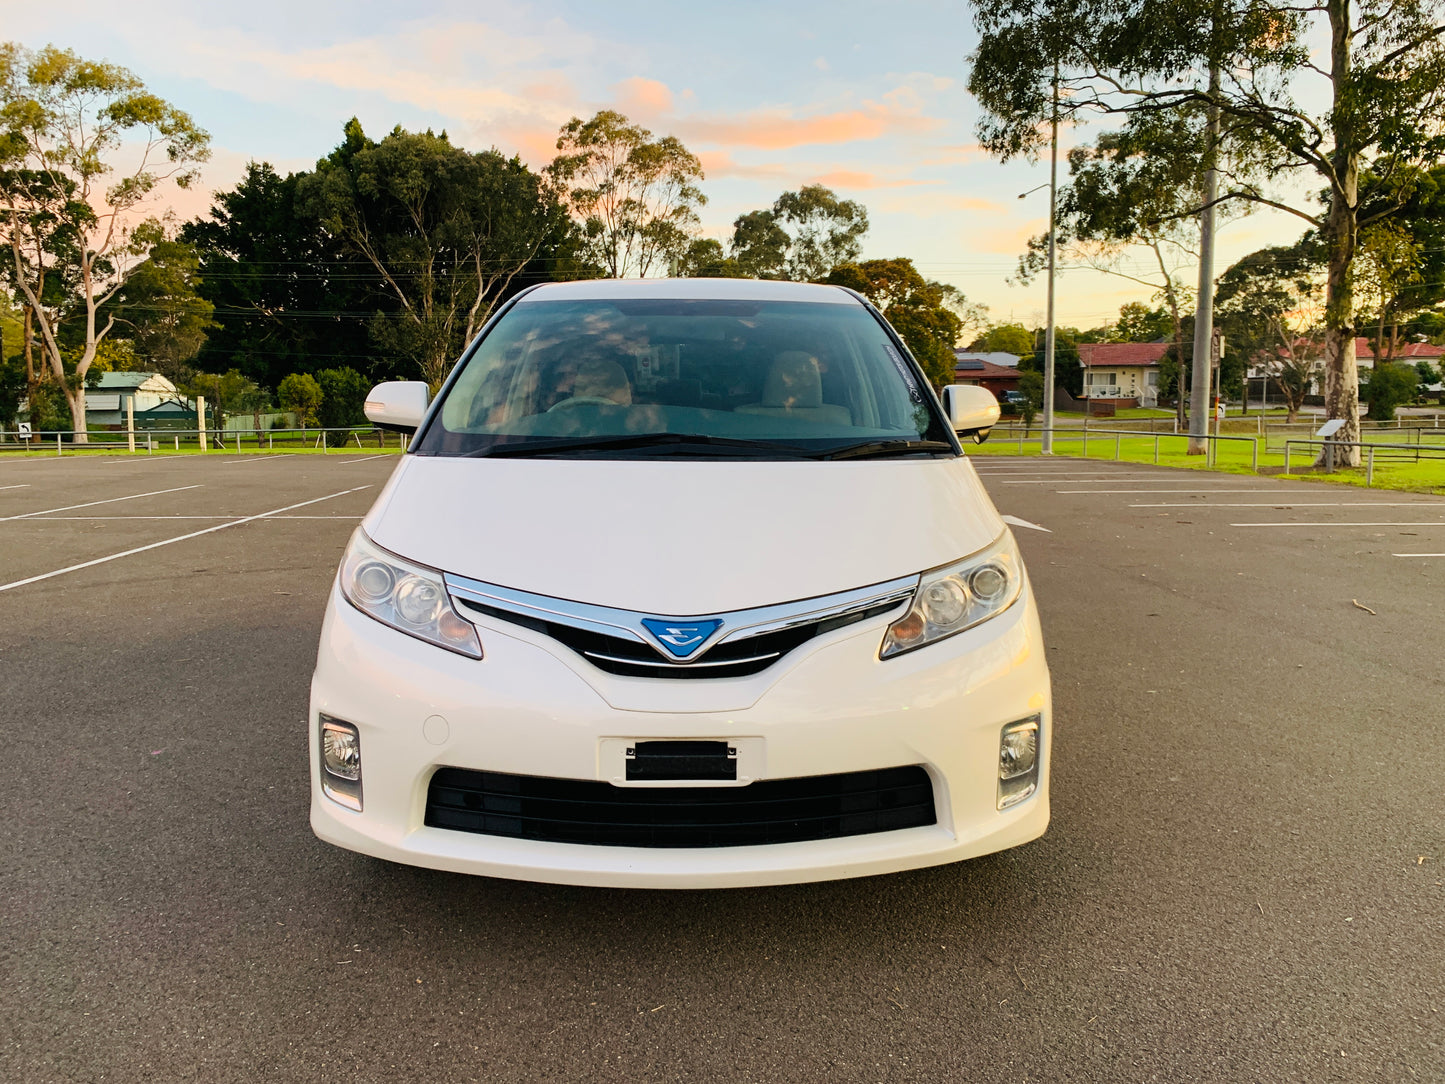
point(341, 750)
point(1018, 762)
point(341, 762)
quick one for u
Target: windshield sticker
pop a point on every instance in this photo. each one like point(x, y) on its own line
point(904, 371)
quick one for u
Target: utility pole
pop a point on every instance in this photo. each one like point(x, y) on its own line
point(1047, 437)
point(1200, 408)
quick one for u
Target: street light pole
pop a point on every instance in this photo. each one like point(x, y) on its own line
point(1200, 407)
point(1047, 437)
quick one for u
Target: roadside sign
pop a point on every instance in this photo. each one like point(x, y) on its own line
point(23, 430)
point(1331, 427)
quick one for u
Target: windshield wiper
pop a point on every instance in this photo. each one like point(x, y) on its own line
point(723, 446)
point(882, 448)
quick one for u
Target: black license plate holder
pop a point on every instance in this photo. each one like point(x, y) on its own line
point(650, 761)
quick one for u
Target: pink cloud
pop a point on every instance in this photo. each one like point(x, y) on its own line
point(646, 98)
point(717, 164)
point(778, 130)
point(849, 178)
point(1009, 241)
point(955, 153)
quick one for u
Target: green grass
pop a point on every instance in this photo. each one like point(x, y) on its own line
point(1231, 457)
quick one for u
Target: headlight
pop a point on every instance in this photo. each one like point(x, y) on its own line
point(958, 597)
point(410, 598)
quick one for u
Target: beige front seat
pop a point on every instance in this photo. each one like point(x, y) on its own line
point(794, 389)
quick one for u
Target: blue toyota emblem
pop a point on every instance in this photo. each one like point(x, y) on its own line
point(681, 638)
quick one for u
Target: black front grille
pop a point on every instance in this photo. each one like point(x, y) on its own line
point(594, 812)
point(633, 658)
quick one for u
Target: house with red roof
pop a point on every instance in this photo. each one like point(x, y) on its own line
point(995, 370)
point(1407, 352)
point(1125, 374)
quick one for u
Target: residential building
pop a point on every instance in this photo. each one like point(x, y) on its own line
point(156, 401)
point(1125, 374)
point(995, 370)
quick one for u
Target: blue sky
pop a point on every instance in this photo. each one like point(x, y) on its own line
point(865, 97)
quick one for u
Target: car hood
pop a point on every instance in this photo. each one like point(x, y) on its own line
point(681, 538)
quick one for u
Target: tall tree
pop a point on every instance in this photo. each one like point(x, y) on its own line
point(760, 245)
point(635, 197)
point(802, 237)
point(65, 120)
point(1372, 95)
point(288, 296)
point(705, 258)
point(446, 230)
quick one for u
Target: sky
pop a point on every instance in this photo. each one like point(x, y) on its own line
point(866, 98)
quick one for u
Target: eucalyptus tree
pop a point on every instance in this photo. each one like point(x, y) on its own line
point(445, 230)
point(1375, 96)
point(802, 237)
point(65, 122)
point(634, 196)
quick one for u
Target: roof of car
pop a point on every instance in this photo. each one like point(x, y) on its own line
point(690, 289)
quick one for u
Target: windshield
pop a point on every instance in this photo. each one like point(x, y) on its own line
point(632, 377)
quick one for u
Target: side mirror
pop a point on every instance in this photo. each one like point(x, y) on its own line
point(972, 411)
point(398, 404)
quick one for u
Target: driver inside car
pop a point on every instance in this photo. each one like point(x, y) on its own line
point(598, 382)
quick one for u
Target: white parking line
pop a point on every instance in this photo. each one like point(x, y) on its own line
point(259, 457)
point(1084, 480)
point(22, 485)
point(1015, 521)
point(365, 458)
point(1417, 555)
point(1295, 504)
point(1426, 523)
point(168, 519)
point(91, 504)
point(1256, 489)
point(178, 538)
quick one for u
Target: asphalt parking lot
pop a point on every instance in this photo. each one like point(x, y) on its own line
point(1242, 881)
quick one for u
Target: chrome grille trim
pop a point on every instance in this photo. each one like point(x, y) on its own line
point(627, 624)
point(675, 665)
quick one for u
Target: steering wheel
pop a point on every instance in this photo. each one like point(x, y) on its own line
point(582, 400)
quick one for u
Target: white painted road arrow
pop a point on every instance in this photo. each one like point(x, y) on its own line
point(1015, 521)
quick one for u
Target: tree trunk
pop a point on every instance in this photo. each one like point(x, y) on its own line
point(1342, 377)
point(76, 401)
point(32, 383)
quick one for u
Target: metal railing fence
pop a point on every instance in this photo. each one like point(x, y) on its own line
point(62, 441)
point(1070, 434)
point(1370, 448)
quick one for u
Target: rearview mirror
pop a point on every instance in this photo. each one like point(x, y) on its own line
point(398, 404)
point(972, 411)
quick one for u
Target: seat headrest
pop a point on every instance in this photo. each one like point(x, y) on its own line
point(793, 382)
point(599, 378)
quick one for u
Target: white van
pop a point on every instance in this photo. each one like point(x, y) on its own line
point(681, 583)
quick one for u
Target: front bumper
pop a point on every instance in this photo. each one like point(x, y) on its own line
point(531, 707)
